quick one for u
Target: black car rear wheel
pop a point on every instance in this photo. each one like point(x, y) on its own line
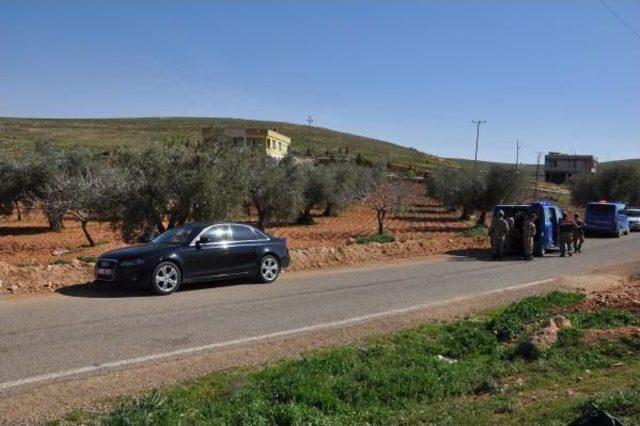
point(166, 278)
point(269, 269)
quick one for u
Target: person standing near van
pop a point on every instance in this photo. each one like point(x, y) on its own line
point(510, 241)
point(566, 234)
point(578, 233)
point(528, 234)
point(498, 232)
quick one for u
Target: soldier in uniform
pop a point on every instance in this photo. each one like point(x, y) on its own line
point(498, 232)
point(566, 234)
point(578, 233)
point(528, 234)
point(510, 242)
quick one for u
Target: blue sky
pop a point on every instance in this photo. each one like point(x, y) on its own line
point(557, 75)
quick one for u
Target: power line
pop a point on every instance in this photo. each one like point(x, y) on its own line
point(621, 19)
point(477, 123)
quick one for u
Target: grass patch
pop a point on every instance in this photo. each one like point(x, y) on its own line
point(456, 373)
point(476, 231)
point(512, 321)
point(87, 259)
point(376, 238)
point(604, 318)
point(59, 262)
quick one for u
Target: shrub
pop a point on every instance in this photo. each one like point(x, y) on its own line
point(376, 238)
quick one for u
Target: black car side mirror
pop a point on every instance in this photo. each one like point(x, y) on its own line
point(202, 240)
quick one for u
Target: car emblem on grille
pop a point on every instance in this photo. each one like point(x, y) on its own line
point(104, 264)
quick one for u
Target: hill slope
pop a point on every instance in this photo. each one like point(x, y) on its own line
point(107, 134)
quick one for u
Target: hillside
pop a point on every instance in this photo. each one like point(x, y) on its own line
point(484, 165)
point(635, 162)
point(106, 134)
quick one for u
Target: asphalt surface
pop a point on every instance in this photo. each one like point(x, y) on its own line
point(85, 327)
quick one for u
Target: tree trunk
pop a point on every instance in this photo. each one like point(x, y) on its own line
point(55, 222)
point(83, 224)
point(18, 210)
point(172, 221)
point(160, 227)
point(260, 220)
point(465, 215)
point(482, 218)
point(328, 210)
point(381, 214)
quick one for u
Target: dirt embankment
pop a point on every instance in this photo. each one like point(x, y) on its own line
point(34, 260)
point(38, 279)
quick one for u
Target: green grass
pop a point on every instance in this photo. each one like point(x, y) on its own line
point(87, 259)
point(376, 238)
point(59, 262)
point(476, 231)
point(107, 134)
point(403, 379)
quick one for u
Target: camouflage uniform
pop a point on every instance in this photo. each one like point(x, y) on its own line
point(567, 228)
point(528, 233)
point(510, 242)
point(498, 232)
point(578, 235)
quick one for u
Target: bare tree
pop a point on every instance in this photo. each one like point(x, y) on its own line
point(80, 196)
point(387, 196)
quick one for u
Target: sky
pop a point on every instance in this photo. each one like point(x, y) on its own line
point(557, 75)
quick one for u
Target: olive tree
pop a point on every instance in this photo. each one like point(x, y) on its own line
point(455, 188)
point(610, 183)
point(274, 189)
point(499, 185)
point(163, 186)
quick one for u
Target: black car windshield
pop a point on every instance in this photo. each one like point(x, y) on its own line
point(181, 235)
point(633, 213)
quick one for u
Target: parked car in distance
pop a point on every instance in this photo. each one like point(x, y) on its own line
point(604, 217)
point(196, 252)
point(634, 219)
point(547, 231)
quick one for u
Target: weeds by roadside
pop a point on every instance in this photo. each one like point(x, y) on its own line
point(462, 372)
point(376, 238)
point(476, 231)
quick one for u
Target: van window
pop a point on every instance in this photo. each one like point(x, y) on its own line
point(633, 213)
point(601, 209)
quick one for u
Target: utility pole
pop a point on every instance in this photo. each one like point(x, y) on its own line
point(309, 120)
point(477, 123)
point(535, 191)
point(518, 147)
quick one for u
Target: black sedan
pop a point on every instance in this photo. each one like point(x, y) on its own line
point(195, 253)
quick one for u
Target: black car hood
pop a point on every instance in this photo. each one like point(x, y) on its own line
point(138, 250)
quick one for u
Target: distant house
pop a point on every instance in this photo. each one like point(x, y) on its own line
point(560, 167)
point(275, 144)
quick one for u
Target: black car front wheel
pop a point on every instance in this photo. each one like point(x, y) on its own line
point(166, 278)
point(269, 269)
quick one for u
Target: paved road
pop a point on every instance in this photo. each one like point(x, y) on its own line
point(83, 328)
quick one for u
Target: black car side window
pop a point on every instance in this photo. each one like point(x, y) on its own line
point(242, 233)
point(217, 234)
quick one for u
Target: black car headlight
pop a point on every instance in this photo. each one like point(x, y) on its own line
point(131, 262)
